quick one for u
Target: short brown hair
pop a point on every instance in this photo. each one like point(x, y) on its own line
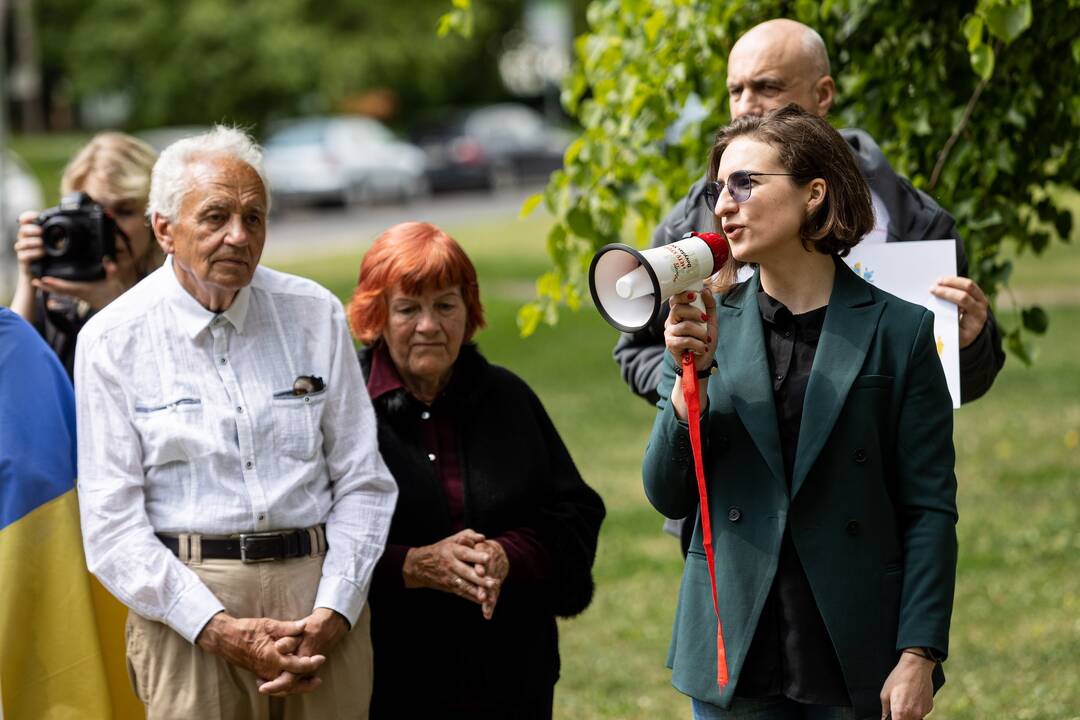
point(414, 256)
point(810, 148)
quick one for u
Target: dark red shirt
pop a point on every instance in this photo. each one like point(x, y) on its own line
point(529, 560)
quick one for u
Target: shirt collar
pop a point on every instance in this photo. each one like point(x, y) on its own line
point(383, 377)
point(192, 317)
point(776, 313)
point(772, 310)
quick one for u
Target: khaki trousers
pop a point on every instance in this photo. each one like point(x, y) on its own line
point(175, 679)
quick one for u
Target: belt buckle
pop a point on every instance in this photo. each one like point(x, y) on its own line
point(244, 537)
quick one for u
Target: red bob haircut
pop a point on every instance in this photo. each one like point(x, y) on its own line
point(412, 256)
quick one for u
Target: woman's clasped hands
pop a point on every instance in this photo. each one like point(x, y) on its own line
point(466, 564)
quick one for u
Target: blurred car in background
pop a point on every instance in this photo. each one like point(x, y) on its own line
point(492, 146)
point(21, 192)
point(346, 159)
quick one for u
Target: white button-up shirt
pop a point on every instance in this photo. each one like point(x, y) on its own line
point(187, 424)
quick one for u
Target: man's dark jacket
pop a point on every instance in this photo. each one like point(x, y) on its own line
point(913, 215)
point(429, 645)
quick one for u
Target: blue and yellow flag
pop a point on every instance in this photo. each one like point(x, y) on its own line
point(61, 638)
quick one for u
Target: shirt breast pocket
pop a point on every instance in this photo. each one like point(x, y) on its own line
point(297, 421)
point(173, 431)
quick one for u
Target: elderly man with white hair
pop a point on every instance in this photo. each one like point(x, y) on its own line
point(231, 488)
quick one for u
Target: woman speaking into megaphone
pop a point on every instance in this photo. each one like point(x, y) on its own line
point(819, 580)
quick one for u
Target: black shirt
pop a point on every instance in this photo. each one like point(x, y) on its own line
point(791, 654)
point(59, 320)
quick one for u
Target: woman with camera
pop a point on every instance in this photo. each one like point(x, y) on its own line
point(114, 170)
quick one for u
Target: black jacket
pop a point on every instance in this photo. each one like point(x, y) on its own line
point(913, 215)
point(431, 645)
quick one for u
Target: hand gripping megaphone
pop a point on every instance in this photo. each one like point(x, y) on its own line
point(629, 285)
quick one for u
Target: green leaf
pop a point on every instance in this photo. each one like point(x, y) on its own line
point(572, 152)
point(1035, 319)
point(549, 286)
point(573, 298)
point(556, 245)
point(1022, 349)
point(1039, 241)
point(996, 273)
point(528, 318)
point(1063, 224)
point(1007, 22)
point(654, 25)
point(530, 204)
point(982, 61)
point(581, 223)
point(973, 29)
point(990, 220)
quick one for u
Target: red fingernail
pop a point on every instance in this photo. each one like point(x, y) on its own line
point(708, 339)
point(704, 317)
point(690, 296)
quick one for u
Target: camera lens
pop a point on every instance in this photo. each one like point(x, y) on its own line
point(55, 239)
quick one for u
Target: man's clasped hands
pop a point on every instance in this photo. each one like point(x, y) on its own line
point(286, 654)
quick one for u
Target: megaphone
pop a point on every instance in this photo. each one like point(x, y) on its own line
point(628, 285)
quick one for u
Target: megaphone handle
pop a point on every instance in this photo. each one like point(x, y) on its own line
point(698, 301)
point(693, 419)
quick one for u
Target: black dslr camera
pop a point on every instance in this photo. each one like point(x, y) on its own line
point(76, 236)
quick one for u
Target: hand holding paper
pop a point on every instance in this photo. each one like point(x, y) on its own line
point(907, 270)
point(971, 302)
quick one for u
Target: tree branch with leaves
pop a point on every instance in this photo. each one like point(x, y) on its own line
point(977, 102)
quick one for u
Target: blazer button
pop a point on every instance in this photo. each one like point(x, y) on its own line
point(860, 456)
point(852, 527)
point(733, 514)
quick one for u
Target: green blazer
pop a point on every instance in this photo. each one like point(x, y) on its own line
point(872, 505)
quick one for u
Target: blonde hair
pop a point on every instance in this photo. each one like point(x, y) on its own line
point(117, 166)
point(116, 163)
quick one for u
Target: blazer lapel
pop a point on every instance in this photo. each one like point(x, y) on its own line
point(744, 368)
point(850, 324)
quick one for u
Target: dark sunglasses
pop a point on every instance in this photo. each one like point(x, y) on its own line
point(738, 185)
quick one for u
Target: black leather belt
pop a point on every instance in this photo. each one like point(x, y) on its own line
point(250, 547)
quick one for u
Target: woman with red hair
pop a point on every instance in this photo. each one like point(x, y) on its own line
point(495, 531)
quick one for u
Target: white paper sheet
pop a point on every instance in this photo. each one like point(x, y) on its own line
point(908, 270)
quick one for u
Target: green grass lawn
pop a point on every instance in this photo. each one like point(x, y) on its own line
point(1016, 625)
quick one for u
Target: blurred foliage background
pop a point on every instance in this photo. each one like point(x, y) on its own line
point(976, 102)
point(180, 62)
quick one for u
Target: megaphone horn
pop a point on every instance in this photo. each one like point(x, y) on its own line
point(628, 285)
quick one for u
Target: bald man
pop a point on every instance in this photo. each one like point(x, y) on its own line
point(780, 62)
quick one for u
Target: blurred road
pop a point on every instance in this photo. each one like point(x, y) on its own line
point(319, 230)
